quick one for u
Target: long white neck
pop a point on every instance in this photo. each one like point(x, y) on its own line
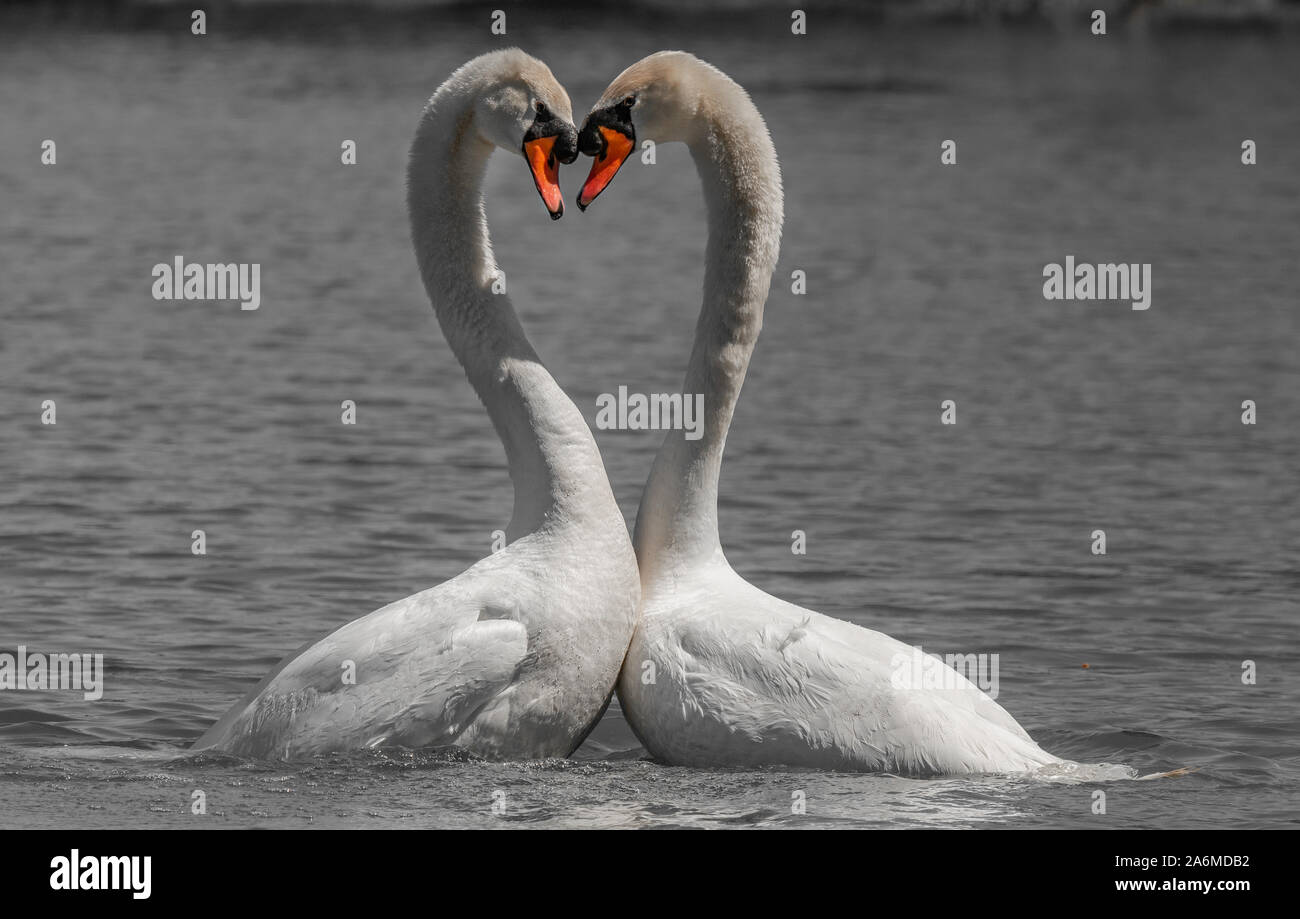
point(677, 523)
point(554, 463)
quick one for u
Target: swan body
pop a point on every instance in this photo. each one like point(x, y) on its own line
point(742, 678)
point(517, 656)
point(720, 673)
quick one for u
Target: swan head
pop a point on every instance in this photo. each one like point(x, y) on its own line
point(658, 97)
point(523, 109)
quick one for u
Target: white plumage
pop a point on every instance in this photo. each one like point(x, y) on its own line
point(720, 673)
point(517, 656)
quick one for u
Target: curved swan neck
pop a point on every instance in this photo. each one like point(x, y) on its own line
point(553, 461)
point(678, 518)
point(449, 230)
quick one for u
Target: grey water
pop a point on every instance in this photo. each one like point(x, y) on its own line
point(924, 283)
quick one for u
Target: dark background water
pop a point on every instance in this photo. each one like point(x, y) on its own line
point(924, 284)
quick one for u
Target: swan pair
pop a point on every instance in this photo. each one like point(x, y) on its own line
point(518, 656)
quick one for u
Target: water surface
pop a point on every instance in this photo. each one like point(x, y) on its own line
point(924, 284)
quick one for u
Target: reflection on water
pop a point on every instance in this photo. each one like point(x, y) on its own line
point(924, 284)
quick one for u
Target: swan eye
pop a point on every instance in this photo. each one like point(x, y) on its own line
point(540, 107)
point(629, 101)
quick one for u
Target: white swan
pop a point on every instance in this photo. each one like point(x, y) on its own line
point(719, 672)
point(517, 656)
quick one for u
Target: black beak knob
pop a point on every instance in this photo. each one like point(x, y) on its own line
point(590, 141)
point(566, 146)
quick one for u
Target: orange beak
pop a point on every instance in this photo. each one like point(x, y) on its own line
point(618, 147)
point(546, 173)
